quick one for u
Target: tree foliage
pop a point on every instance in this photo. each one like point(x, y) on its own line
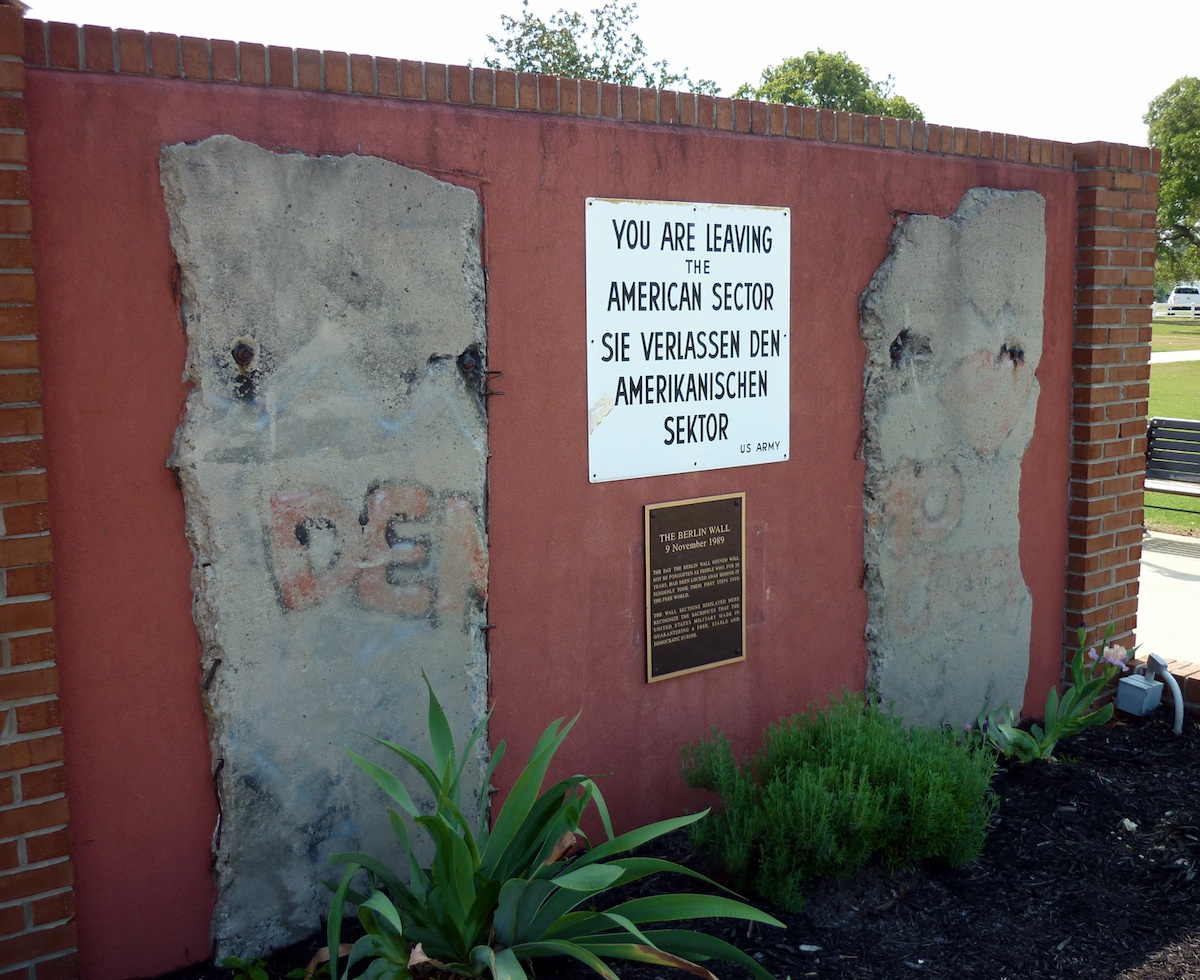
point(1174, 126)
point(601, 47)
point(829, 81)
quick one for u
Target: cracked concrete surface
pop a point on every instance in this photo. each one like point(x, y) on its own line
point(332, 461)
point(952, 322)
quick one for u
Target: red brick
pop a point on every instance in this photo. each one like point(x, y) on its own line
point(28, 753)
point(37, 682)
point(18, 287)
point(827, 124)
point(54, 908)
point(16, 219)
point(281, 65)
point(34, 550)
point(741, 115)
point(1094, 217)
point(810, 123)
point(41, 783)
point(724, 113)
point(254, 64)
point(506, 89)
point(589, 98)
point(12, 33)
point(19, 389)
point(22, 488)
point(12, 111)
point(32, 817)
point(12, 920)
point(224, 61)
point(1094, 470)
point(362, 74)
point(527, 91)
point(30, 614)
point(777, 119)
point(706, 111)
point(308, 69)
point(459, 84)
point(38, 717)
point(10, 857)
point(631, 103)
point(48, 846)
point(12, 76)
point(759, 120)
point(64, 967)
point(26, 454)
point(1086, 315)
point(194, 58)
point(412, 80)
point(131, 52)
point(20, 422)
point(610, 100)
point(337, 71)
point(15, 184)
point(64, 46)
point(435, 82)
point(35, 43)
point(13, 149)
point(15, 253)
point(26, 518)
point(19, 321)
point(793, 121)
point(99, 49)
point(548, 93)
point(387, 77)
point(31, 945)
point(164, 55)
point(568, 96)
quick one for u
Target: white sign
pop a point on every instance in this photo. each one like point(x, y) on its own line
point(687, 337)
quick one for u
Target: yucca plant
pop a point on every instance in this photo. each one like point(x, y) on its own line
point(528, 887)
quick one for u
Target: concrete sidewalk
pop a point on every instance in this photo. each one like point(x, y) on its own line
point(1169, 597)
point(1174, 356)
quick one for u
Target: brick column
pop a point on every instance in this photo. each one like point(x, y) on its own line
point(37, 928)
point(1114, 289)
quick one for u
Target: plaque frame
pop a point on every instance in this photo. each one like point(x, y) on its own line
point(712, 513)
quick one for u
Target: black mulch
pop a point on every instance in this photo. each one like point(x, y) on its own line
point(1064, 888)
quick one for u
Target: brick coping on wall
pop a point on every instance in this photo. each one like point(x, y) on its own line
point(131, 52)
point(1117, 200)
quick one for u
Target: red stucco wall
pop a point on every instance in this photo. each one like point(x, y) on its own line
point(566, 556)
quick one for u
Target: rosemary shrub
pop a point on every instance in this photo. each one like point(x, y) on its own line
point(829, 790)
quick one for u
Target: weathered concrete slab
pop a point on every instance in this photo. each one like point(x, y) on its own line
point(332, 459)
point(953, 327)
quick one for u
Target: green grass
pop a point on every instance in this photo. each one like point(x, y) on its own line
point(1175, 334)
point(1174, 393)
point(1175, 390)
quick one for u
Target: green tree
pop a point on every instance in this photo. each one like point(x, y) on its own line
point(574, 46)
point(1174, 127)
point(829, 81)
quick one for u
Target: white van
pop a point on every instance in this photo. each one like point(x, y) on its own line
point(1184, 301)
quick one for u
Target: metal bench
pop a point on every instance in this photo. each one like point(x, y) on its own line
point(1173, 456)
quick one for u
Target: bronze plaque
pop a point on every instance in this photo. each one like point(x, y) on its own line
point(695, 585)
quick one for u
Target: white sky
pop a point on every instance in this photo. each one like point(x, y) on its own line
point(1050, 69)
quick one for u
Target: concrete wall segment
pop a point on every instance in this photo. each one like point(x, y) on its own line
point(332, 464)
point(953, 327)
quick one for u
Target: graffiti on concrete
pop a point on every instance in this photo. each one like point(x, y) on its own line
point(332, 460)
point(392, 553)
point(953, 326)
